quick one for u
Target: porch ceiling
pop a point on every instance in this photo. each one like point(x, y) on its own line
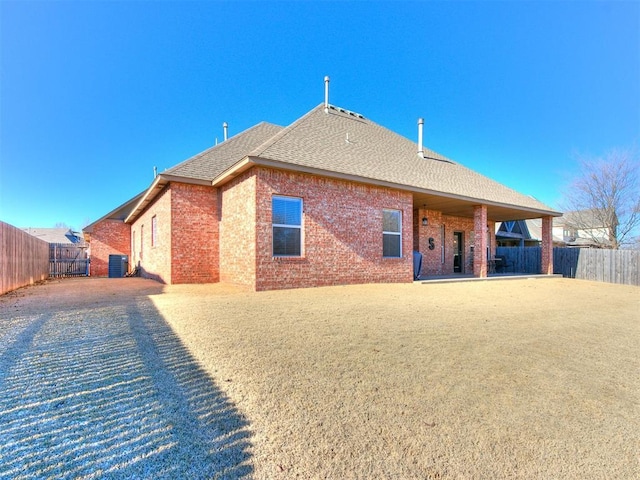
point(461, 207)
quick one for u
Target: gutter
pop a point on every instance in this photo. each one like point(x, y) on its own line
point(251, 161)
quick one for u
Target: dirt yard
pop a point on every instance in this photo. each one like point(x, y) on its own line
point(527, 379)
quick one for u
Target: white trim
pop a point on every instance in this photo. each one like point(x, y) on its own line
point(251, 161)
point(154, 231)
point(284, 225)
point(398, 233)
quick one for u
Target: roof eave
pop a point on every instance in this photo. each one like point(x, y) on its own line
point(89, 228)
point(251, 161)
point(158, 184)
point(156, 187)
point(236, 169)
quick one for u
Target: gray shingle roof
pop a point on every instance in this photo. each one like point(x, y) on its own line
point(213, 161)
point(348, 144)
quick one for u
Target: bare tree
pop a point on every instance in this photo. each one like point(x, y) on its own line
point(603, 201)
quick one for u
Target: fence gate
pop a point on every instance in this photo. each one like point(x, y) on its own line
point(67, 260)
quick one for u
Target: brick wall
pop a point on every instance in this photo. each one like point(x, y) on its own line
point(482, 242)
point(109, 237)
point(342, 233)
point(209, 235)
point(238, 231)
point(154, 258)
point(432, 259)
point(546, 266)
point(194, 234)
point(186, 244)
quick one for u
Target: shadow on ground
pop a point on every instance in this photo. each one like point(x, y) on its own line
point(110, 391)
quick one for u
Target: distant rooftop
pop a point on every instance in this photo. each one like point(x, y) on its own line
point(56, 235)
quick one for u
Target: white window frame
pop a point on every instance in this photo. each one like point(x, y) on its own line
point(154, 231)
point(398, 233)
point(283, 225)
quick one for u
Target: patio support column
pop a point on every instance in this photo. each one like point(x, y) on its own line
point(547, 246)
point(480, 236)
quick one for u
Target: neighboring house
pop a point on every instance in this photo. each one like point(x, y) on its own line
point(64, 236)
point(524, 233)
point(68, 251)
point(573, 229)
point(516, 233)
point(331, 199)
point(583, 228)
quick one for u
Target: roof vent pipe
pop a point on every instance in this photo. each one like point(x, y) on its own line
point(225, 128)
point(326, 94)
point(420, 126)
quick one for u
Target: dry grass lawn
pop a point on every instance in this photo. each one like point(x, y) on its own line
point(504, 379)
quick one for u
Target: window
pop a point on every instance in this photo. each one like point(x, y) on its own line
point(287, 226)
point(154, 231)
point(391, 233)
point(141, 241)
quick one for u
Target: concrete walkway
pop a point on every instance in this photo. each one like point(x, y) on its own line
point(491, 277)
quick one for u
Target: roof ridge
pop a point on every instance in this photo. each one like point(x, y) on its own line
point(256, 152)
point(232, 139)
point(430, 154)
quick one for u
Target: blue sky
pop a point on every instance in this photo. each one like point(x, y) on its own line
point(93, 95)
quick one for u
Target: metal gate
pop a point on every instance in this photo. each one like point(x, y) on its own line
point(66, 260)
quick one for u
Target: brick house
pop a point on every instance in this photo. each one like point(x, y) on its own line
point(331, 199)
point(109, 235)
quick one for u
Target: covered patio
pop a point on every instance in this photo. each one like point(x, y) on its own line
point(455, 236)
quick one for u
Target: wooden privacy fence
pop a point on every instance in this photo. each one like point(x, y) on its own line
point(601, 265)
point(521, 260)
point(66, 260)
point(24, 259)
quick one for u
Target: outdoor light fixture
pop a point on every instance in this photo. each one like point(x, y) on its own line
point(425, 221)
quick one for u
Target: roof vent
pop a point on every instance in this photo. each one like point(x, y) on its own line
point(326, 94)
point(420, 127)
point(225, 128)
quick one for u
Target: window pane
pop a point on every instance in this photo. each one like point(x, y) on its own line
point(287, 211)
point(391, 220)
point(286, 241)
point(390, 245)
